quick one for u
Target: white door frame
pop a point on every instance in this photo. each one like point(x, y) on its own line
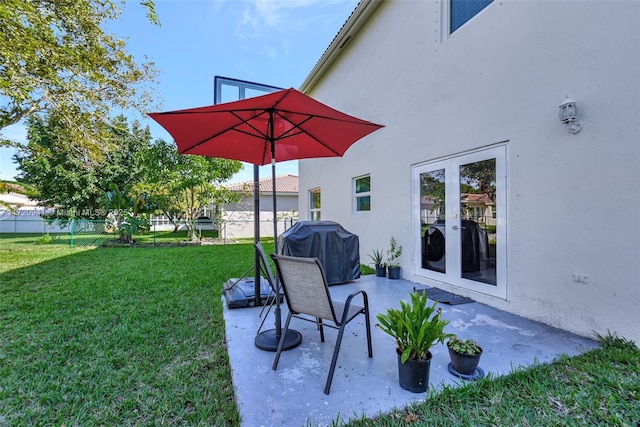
point(452, 275)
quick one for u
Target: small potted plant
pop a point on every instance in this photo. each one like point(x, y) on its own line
point(393, 254)
point(416, 327)
point(464, 354)
point(377, 257)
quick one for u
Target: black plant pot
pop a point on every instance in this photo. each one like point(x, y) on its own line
point(414, 374)
point(394, 273)
point(464, 364)
point(381, 270)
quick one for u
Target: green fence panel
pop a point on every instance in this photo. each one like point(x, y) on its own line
point(81, 233)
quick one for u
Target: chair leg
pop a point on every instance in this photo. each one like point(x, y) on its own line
point(321, 328)
point(281, 343)
point(332, 368)
point(368, 325)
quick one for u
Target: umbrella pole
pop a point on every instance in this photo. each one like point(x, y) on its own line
point(256, 234)
point(268, 340)
point(274, 198)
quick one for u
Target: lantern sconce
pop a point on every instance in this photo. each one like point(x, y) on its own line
point(568, 115)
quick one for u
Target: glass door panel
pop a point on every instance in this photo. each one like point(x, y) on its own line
point(477, 226)
point(460, 221)
point(432, 220)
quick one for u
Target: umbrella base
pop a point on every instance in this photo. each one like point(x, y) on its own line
point(268, 341)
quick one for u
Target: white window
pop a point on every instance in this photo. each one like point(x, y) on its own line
point(463, 10)
point(314, 204)
point(362, 193)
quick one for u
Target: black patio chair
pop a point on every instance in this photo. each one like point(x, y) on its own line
point(308, 297)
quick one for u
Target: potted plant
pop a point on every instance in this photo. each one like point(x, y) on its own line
point(416, 327)
point(377, 257)
point(464, 354)
point(393, 254)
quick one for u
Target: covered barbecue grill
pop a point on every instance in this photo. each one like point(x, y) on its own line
point(337, 248)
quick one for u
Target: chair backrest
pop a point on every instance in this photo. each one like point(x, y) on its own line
point(305, 286)
point(265, 265)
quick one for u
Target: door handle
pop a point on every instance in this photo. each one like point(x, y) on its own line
point(455, 227)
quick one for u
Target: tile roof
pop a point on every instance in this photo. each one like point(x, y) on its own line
point(284, 184)
point(470, 197)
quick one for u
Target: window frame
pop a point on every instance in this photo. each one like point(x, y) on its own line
point(482, 4)
point(360, 195)
point(313, 210)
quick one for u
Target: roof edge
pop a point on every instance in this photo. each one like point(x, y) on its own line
point(349, 30)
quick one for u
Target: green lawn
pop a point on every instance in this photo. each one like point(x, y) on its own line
point(598, 388)
point(135, 336)
point(118, 336)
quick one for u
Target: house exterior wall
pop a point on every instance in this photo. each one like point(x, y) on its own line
point(238, 218)
point(572, 199)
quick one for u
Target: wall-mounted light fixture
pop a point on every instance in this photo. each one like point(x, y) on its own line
point(568, 115)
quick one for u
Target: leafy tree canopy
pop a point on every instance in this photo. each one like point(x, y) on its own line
point(481, 176)
point(64, 176)
point(182, 186)
point(55, 55)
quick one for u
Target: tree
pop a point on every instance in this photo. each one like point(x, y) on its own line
point(55, 55)
point(480, 176)
point(182, 186)
point(128, 213)
point(64, 177)
point(432, 185)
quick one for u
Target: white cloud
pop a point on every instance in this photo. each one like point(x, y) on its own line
point(270, 24)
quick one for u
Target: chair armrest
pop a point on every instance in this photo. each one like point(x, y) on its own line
point(347, 304)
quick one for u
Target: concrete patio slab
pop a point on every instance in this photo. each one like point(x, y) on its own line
point(293, 394)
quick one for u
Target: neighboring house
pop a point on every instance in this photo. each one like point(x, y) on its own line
point(17, 201)
point(476, 207)
point(471, 93)
point(25, 216)
point(238, 218)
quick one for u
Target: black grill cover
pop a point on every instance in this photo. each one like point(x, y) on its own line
point(337, 249)
point(475, 246)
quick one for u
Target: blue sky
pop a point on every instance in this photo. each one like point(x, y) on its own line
point(275, 42)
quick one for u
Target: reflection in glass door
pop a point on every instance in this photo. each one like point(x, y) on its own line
point(477, 204)
point(432, 214)
point(462, 221)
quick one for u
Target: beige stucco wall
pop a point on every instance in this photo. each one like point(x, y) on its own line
point(500, 78)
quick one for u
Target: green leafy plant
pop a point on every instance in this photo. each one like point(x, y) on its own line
point(128, 213)
point(365, 270)
point(394, 252)
point(416, 327)
point(377, 256)
point(468, 346)
point(46, 239)
point(131, 224)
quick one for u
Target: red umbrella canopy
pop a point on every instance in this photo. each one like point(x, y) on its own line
point(287, 122)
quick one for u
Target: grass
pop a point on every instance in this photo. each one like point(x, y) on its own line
point(119, 336)
point(135, 336)
point(160, 237)
point(93, 239)
point(601, 387)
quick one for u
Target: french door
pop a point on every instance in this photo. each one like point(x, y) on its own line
point(460, 221)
